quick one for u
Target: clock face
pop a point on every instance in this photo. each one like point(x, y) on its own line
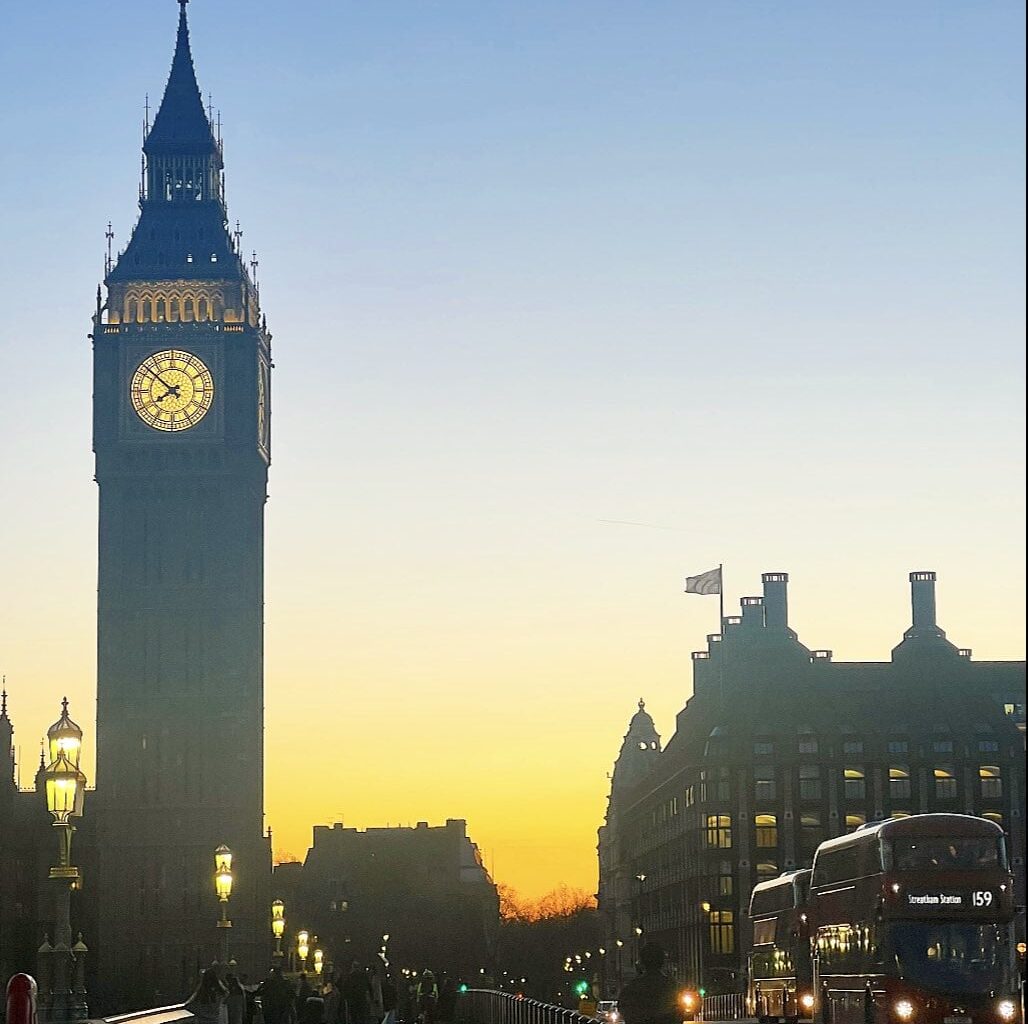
point(262, 404)
point(172, 390)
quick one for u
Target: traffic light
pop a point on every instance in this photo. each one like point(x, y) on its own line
point(703, 992)
point(463, 987)
point(582, 988)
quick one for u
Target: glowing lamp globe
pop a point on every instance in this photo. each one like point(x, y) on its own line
point(65, 737)
point(303, 946)
point(65, 789)
point(223, 872)
point(319, 961)
point(278, 919)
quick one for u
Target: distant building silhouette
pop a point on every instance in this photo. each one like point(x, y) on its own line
point(425, 887)
point(781, 747)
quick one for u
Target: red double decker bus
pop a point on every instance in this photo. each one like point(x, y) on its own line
point(780, 979)
point(914, 924)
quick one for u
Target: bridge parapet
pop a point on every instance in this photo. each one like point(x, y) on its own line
point(486, 1006)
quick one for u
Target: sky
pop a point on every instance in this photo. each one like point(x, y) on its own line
point(570, 299)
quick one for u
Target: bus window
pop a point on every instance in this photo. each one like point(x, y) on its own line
point(949, 956)
point(955, 853)
point(764, 931)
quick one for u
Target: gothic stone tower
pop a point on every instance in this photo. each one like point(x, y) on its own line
point(181, 420)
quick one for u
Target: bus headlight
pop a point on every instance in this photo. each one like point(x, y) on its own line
point(688, 1000)
point(807, 1001)
point(904, 1009)
point(1007, 1009)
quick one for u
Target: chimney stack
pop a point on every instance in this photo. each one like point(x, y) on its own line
point(752, 612)
point(776, 601)
point(922, 601)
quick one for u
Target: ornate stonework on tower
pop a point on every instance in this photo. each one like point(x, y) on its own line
point(181, 432)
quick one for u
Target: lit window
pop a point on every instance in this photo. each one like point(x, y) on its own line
point(900, 814)
point(990, 778)
point(853, 785)
point(719, 831)
point(767, 831)
point(994, 816)
point(722, 931)
point(766, 869)
point(899, 782)
point(945, 783)
point(854, 821)
point(690, 796)
point(811, 832)
point(810, 782)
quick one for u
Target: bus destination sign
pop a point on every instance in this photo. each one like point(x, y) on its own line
point(977, 899)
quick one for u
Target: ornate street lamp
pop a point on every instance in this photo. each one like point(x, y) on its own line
point(64, 965)
point(303, 947)
point(319, 961)
point(223, 879)
point(278, 925)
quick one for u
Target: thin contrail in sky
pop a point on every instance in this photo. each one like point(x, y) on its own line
point(629, 522)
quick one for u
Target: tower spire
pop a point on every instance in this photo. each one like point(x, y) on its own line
point(181, 123)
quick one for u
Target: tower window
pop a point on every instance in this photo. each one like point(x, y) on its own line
point(766, 826)
point(719, 831)
point(810, 782)
point(722, 931)
point(854, 821)
point(854, 786)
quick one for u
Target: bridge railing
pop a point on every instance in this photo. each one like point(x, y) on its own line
point(485, 1006)
point(731, 1006)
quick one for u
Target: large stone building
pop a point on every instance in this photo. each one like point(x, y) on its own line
point(781, 747)
point(425, 887)
point(181, 435)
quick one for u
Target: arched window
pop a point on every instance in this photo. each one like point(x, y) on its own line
point(945, 782)
point(766, 826)
point(990, 780)
point(854, 786)
point(899, 782)
point(719, 832)
point(854, 821)
point(188, 308)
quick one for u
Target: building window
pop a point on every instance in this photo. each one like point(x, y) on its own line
point(942, 746)
point(807, 742)
point(898, 746)
point(853, 747)
point(811, 832)
point(854, 821)
point(810, 782)
point(766, 869)
point(690, 796)
point(994, 816)
point(764, 783)
point(988, 747)
point(719, 831)
point(853, 785)
point(673, 806)
point(990, 778)
point(725, 883)
point(722, 931)
point(900, 814)
point(945, 783)
point(1015, 710)
point(767, 831)
point(762, 748)
point(899, 782)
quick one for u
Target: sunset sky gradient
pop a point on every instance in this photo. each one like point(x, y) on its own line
point(569, 300)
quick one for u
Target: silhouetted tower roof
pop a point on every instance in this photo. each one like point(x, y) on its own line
point(6, 745)
point(182, 232)
point(639, 752)
point(181, 124)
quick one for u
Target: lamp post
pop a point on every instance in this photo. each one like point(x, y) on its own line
point(640, 878)
point(223, 879)
point(702, 945)
point(319, 961)
point(62, 966)
point(278, 926)
point(303, 948)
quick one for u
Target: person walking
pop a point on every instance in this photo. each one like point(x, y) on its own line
point(427, 997)
point(357, 995)
point(375, 986)
point(652, 998)
point(235, 999)
point(335, 1009)
point(276, 996)
point(207, 1000)
point(389, 1001)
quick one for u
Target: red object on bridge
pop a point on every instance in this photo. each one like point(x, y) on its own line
point(21, 1000)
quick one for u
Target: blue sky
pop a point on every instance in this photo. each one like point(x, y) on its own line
point(751, 273)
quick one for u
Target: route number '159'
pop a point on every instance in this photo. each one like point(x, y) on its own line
point(981, 898)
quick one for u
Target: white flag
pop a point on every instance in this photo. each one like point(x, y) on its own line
point(705, 583)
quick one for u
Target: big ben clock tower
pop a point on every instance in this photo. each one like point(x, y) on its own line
point(181, 432)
